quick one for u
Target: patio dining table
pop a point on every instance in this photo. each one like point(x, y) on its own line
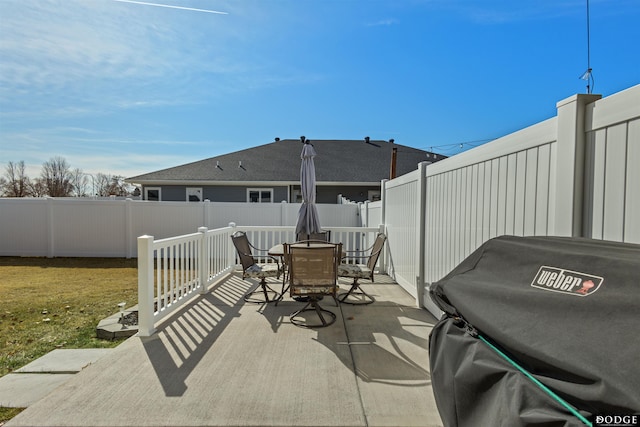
point(278, 250)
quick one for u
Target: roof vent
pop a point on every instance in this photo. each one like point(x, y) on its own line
point(218, 165)
point(392, 140)
point(277, 139)
point(302, 139)
point(366, 139)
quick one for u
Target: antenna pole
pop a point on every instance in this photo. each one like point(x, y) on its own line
point(589, 87)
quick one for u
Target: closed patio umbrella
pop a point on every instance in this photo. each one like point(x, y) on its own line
point(308, 220)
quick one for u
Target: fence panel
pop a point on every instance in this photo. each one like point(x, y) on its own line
point(371, 214)
point(87, 227)
point(612, 178)
point(165, 219)
point(75, 234)
point(500, 188)
point(402, 212)
point(24, 227)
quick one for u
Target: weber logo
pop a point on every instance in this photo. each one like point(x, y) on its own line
point(566, 281)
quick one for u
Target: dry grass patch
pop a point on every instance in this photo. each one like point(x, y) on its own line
point(57, 303)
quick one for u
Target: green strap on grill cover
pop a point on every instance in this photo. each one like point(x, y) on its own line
point(537, 382)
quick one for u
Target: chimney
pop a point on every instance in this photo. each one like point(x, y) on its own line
point(394, 158)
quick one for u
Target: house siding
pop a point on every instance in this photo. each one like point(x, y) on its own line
point(324, 194)
point(177, 193)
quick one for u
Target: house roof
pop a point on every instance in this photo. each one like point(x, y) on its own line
point(338, 162)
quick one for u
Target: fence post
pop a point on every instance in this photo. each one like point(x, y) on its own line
point(383, 220)
point(364, 214)
point(232, 250)
point(382, 260)
point(283, 206)
point(128, 227)
point(383, 207)
point(569, 168)
point(422, 206)
point(206, 210)
point(50, 229)
point(203, 261)
point(145, 286)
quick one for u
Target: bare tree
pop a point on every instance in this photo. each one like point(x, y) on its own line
point(56, 177)
point(103, 182)
point(37, 188)
point(80, 183)
point(112, 185)
point(15, 182)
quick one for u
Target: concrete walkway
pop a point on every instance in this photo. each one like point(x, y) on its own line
point(32, 382)
point(222, 362)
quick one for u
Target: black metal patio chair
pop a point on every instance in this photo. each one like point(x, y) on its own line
point(251, 268)
point(350, 268)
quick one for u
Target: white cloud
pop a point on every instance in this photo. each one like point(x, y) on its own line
point(64, 57)
point(93, 151)
point(87, 51)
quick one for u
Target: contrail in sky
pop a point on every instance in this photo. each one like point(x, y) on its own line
point(172, 7)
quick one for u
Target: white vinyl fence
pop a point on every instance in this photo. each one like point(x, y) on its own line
point(85, 227)
point(572, 175)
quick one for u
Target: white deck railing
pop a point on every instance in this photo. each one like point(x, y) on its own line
point(172, 271)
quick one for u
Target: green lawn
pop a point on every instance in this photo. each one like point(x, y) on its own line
point(57, 303)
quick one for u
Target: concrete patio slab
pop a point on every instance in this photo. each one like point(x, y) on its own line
point(23, 390)
point(222, 362)
point(67, 361)
point(389, 345)
point(34, 381)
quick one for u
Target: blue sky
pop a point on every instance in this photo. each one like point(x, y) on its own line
point(126, 88)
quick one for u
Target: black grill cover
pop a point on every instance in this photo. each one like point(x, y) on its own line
point(566, 310)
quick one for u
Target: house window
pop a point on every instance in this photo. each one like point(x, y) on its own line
point(194, 194)
point(260, 195)
point(153, 194)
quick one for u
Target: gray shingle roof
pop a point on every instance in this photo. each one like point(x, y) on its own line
point(337, 161)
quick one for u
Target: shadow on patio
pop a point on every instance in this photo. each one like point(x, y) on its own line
point(221, 361)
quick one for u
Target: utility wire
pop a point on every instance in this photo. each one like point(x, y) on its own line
point(456, 147)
